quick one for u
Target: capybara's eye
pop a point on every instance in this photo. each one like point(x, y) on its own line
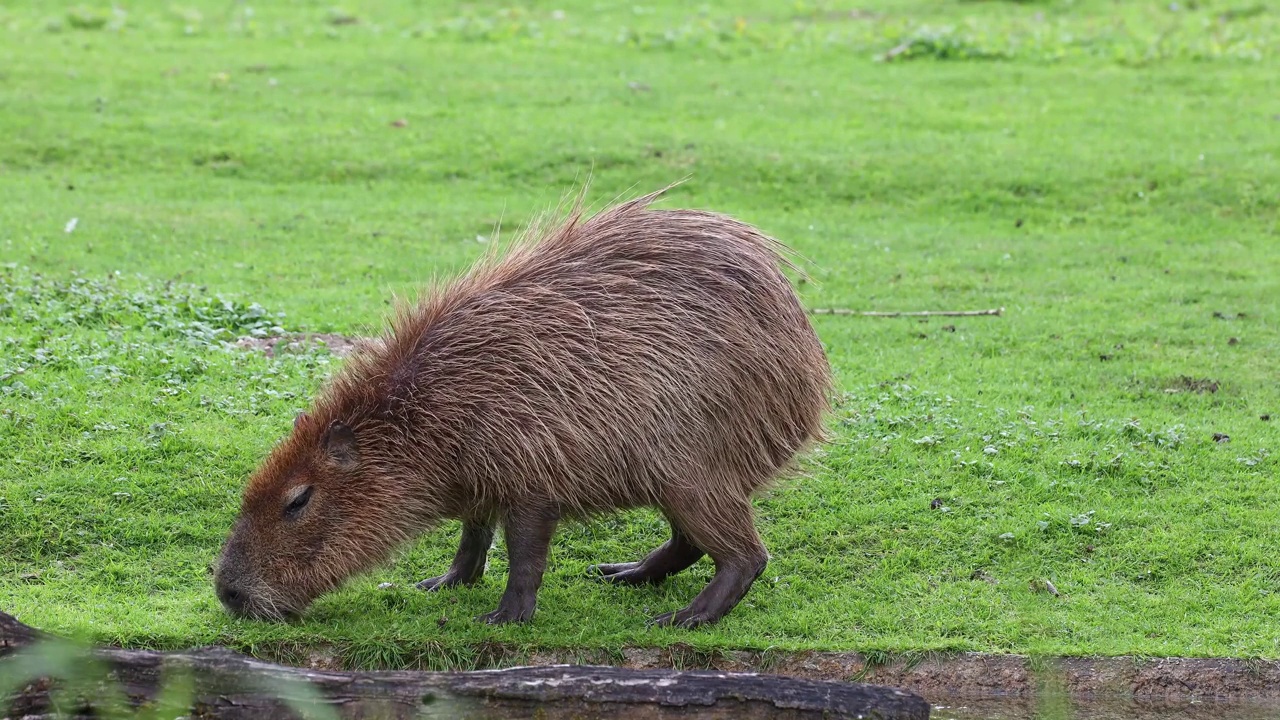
point(300, 496)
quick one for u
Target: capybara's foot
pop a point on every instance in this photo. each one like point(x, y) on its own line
point(504, 615)
point(685, 618)
point(632, 573)
point(448, 580)
point(672, 557)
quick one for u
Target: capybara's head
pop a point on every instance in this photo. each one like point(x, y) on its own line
point(313, 514)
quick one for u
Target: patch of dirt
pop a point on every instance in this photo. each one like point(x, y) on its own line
point(323, 658)
point(339, 345)
point(982, 675)
point(1185, 383)
point(976, 685)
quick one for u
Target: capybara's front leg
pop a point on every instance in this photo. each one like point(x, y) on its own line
point(528, 537)
point(468, 563)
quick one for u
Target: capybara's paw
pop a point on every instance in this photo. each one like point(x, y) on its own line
point(503, 615)
point(621, 573)
point(448, 580)
point(438, 583)
point(684, 618)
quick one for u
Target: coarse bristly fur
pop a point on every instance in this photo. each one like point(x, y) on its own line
point(637, 357)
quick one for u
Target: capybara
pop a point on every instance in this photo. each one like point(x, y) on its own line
point(635, 358)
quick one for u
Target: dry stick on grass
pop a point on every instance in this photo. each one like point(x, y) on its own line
point(922, 313)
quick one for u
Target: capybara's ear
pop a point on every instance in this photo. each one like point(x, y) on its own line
point(297, 419)
point(340, 442)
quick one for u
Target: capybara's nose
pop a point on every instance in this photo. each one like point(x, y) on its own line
point(232, 598)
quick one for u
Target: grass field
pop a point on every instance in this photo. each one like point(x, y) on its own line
point(175, 177)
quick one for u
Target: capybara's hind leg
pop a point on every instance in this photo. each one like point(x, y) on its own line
point(673, 556)
point(468, 563)
point(725, 529)
point(527, 532)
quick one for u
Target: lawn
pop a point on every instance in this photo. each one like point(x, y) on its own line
point(173, 177)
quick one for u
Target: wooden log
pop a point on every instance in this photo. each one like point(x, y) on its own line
point(49, 678)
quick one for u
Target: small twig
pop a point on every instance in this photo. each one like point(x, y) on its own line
point(922, 313)
point(890, 55)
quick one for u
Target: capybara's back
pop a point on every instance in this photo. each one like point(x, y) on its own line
point(636, 358)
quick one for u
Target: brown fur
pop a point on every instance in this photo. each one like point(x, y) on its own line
point(635, 358)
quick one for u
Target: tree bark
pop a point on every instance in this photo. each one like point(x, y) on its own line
point(226, 684)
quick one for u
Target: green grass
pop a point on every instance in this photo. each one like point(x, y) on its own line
point(1106, 172)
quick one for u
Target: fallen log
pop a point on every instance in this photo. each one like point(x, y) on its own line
point(42, 676)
